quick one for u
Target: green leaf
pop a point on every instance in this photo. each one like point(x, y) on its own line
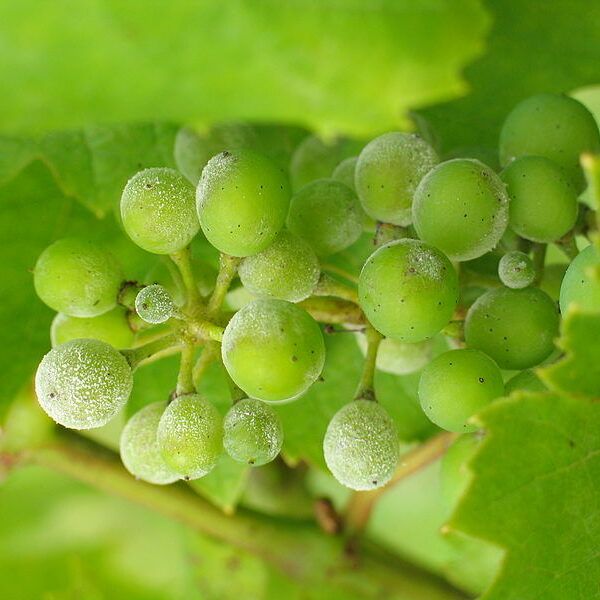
point(535, 493)
point(332, 65)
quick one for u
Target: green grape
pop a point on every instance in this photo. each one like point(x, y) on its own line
point(345, 171)
point(139, 448)
point(456, 385)
point(556, 127)
point(190, 436)
point(190, 153)
point(543, 202)
point(288, 269)
point(461, 207)
point(154, 304)
point(326, 213)
point(83, 383)
point(581, 284)
point(515, 327)
point(242, 202)
point(455, 473)
point(398, 358)
point(77, 277)
point(526, 381)
point(388, 172)
point(516, 270)
point(112, 327)
point(273, 350)
point(361, 445)
point(252, 432)
point(157, 210)
point(408, 290)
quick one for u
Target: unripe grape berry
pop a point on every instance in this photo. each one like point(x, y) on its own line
point(361, 445)
point(242, 200)
point(83, 384)
point(516, 270)
point(543, 201)
point(190, 436)
point(554, 126)
point(288, 269)
point(525, 381)
point(158, 210)
point(345, 171)
point(77, 277)
point(408, 290)
point(456, 385)
point(139, 448)
point(388, 172)
point(112, 327)
point(326, 213)
point(273, 350)
point(154, 304)
point(252, 432)
point(514, 327)
point(581, 285)
point(461, 207)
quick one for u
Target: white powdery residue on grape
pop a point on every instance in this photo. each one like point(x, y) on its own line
point(154, 304)
point(425, 262)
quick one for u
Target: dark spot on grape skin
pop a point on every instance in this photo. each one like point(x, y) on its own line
point(294, 358)
point(481, 380)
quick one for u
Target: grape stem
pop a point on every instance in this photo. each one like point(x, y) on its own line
point(333, 310)
point(183, 260)
point(568, 246)
point(365, 389)
point(136, 356)
point(185, 380)
point(361, 504)
point(538, 252)
point(228, 266)
point(339, 271)
point(208, 355)
point(327, 286)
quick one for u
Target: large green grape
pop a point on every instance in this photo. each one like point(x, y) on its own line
point(408, 290)
point(361, 445)
point(543, 201)
point(139, 448)
point(581, 283)
point(461, 207)
point(345, 171)
point(242, 202)
point(516, 270)
point(456, 385)
point(252, 432)
point(454, 471)
point(77, 277)
point(525, 380)
point(83, 383)
point(388, 172)
point(112, 327)
point(515, 327)
point(273, 350)
point(190, 436)
point(288, 269)
point(553, 126)
point(158, 210)
point(154, 304)
point(326, 213)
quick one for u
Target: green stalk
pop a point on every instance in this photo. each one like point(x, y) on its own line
point(228, 266)
point(136, 356)
point(365, 389)
point(185, 380)
point(328, 286)
point(183, 260)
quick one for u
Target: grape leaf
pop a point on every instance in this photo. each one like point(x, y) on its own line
point(535, 493)
point(332, 65)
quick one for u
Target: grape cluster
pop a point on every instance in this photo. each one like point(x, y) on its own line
point(457, 258)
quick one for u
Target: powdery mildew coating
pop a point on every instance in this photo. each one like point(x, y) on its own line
point(288, 269)
point(154, 304)
point(83, 384)
point(361, 445)
point(158, 210)
point(515, 270)
point(190, 436)
point(388, 172)
point(252, 432)
point(139, 448)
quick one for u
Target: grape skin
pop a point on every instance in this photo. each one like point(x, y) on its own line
point(526, 381)
point(242, 201)
point(580, 286)
point(154, 304)
point(461, 207)
point(388, 170)
point(139, 447)
point(361, 445)
point(326, 214)
point(515, 270)
point(288, 269)
point(456, 385)
point(83, 383)
point(190, 436)
point(514, 327)
point(273, 350)
point(158, 210)
point(345, 171)
point(77, 277)
point(408, 290)
point(252, 432)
